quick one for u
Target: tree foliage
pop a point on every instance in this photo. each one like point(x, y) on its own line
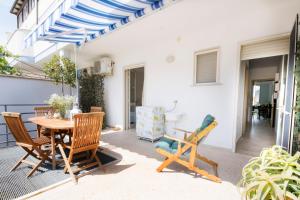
point(4, 65)
point(61, 70)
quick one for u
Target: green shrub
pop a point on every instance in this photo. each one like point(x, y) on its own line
point(91, 92)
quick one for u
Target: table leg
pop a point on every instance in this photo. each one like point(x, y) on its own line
point(38, 128)
point(53, 149)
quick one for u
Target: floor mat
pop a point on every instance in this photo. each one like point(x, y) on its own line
point(15, 184)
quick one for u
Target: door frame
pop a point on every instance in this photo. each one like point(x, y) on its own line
point(236, 120)
point(126, 72)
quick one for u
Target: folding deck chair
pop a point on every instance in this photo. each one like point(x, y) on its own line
point(23, 139)
point(184, 151)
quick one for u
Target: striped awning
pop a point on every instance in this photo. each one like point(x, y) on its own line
point(78, 21)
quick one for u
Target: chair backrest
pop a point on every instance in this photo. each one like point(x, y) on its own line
point(207, 125)
point(42, 110)
point(87, 129)
point(96, 109)
point(17, 128)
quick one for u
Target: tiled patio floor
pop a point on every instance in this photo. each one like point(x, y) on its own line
point(135, 178)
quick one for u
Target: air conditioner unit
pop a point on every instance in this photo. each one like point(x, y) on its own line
point(104, 66)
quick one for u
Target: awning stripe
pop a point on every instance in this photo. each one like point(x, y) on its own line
point(83, 21)
point(78, 21)
point(64, 25)
point(117, 5)
point(95, 12)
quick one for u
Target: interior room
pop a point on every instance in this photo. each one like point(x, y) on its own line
point(262, 92)
point(135, 88)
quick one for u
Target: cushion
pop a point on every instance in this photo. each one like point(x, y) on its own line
point(165, 143)
point(172, 145)
point(175, 145)
point(205, 123)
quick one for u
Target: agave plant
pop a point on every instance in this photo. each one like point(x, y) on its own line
point(274, 175)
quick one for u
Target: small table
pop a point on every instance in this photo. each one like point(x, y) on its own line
point(53, 125)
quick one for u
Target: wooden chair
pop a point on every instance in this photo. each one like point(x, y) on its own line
point(86, 138)
point(95, 109)
point(42, 110)
point(184, 151)
point(23, 139)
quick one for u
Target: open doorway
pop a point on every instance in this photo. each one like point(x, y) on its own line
point(134, 83)
point(260, 108)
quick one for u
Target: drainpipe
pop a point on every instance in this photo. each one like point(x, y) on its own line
point(37, 11)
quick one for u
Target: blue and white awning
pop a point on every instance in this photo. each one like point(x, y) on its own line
point(78, 21)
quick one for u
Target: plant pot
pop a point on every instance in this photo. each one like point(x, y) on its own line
point(62, 113)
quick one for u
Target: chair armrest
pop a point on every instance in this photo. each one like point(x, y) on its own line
point(176, 139)
point(185, 131)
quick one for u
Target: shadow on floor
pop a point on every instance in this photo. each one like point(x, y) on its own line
point(230, 164)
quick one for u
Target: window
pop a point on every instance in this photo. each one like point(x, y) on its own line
point(28, 6)
point(206, 67)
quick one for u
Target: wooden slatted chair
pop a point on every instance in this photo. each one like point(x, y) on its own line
point(23, 139)
point(96, 109)
point(41, 111)
point(184, 151)
point(86, 138)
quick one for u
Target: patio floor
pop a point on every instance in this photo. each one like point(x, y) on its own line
point(134, 177)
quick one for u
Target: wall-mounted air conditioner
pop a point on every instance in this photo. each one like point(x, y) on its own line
point(104, 66)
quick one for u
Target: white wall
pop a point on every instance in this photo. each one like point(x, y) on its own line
point(180, 30)
point(240, 113)
point(26, 91)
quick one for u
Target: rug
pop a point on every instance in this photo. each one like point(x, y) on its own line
point(15, 184)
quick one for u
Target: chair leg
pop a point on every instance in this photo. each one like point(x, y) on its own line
point(19, 162)
point(207, 175)
point(210, 162)
point(165, 164)
point(100, 163)
point(69, 159)
point(67, 163)
point(35, 167)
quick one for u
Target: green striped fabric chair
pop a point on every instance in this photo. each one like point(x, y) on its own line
point(185, 152)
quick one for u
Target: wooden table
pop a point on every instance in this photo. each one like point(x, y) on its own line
point(53, 125)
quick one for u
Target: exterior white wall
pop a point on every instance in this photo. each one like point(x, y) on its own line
point(181, 30)
point(26, 91)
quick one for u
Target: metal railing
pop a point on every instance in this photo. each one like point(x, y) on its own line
point(5, 140)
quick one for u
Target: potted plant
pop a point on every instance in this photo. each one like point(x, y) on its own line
point(275, 174)
point(61, 103)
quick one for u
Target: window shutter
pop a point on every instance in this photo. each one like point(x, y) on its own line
point(274, 47)
point(206, 67)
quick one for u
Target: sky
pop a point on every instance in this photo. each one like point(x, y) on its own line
point(8, 21)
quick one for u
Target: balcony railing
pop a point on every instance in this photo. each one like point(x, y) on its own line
point(26, 110)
